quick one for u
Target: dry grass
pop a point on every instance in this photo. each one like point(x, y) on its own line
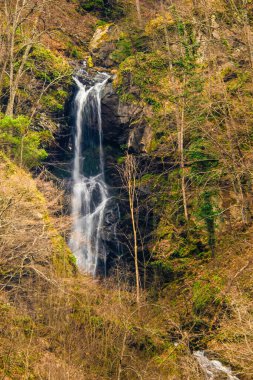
point(57, 324)
point(234, 337)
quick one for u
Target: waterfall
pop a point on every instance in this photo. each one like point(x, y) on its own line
point(213, 369)
point(90, 192)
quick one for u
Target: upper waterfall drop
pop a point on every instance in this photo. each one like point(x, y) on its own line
point(90, 192)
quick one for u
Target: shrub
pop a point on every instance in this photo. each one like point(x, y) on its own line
point(20, 142)
point(206, 296)
point(128, 44)
point(111, 9)
point(55, 100)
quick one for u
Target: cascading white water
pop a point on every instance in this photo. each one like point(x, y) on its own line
point(90, 192)
point(213, 369)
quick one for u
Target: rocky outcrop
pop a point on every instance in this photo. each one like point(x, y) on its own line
point(117, 116)
point(122, 122)
point(103, 44)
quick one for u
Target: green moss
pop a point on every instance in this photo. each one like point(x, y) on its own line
point(21, 143)
point(51, 103)
point(113, 9)
point(154, 145)
point(90, 62)
point(121, 160)
point(10, 167)
point(206, 295)
point(63, 260)
point(55, 100)
point(154, 65)
point(123, 49)
point(74, 51)
point(100, 23)
point(237, 84)
point(48, 66)
point(128, 44)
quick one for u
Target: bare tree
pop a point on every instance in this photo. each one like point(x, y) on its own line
point(130, 175)
point(180, 120)
point(178, 89)
point(242, 16)
point(20, 25)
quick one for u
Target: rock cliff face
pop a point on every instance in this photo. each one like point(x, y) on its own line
point(117, 117)
point(122, 123)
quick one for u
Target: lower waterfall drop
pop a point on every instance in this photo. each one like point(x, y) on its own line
point(213, 369)
point(90, 192)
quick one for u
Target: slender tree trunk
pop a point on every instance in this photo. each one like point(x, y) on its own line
point(12, 19)
point(122, 356)
point(138, 8)
point(180, 119)
point(131, 179)
point(9, 109)
point(181, 131)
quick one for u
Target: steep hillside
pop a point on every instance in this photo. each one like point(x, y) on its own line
point(58, 324)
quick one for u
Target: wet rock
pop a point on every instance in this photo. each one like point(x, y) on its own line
point(230, 76)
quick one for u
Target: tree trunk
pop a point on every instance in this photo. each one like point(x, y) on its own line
point(181, 131)
point(131, 179)
point(138, 8)
point(15, 82)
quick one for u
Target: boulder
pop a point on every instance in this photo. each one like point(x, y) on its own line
point(103, 44)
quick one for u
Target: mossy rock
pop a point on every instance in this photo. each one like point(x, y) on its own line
point(49, 66)
point(103, 44)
